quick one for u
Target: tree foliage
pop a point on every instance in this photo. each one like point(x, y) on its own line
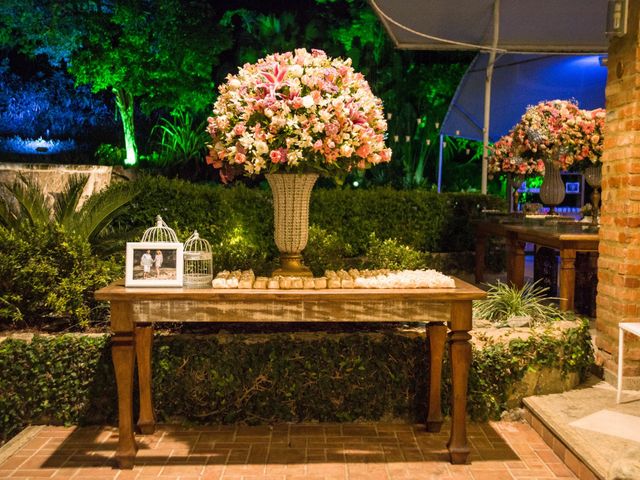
point(166, 55)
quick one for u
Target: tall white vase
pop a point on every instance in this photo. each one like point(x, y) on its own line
point(291, 195)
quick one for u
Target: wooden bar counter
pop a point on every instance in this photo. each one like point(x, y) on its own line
point(134, 311)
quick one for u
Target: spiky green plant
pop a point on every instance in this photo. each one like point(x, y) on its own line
point(24, 205)
point(181, 139)
point(505, 301)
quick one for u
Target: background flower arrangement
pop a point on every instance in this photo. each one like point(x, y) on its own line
point(298, 112)
point(556, 131)
point(504, 159)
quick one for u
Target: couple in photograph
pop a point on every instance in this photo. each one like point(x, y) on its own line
point(147, 261)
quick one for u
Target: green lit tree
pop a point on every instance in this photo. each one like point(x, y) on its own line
point(158, 54)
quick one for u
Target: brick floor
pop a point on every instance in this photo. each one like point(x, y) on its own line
point(499, 450)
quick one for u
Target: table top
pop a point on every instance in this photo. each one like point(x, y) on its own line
point(118, 292)
point(551, 232)
point(536, 231)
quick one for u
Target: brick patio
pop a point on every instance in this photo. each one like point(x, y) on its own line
point(500, 450)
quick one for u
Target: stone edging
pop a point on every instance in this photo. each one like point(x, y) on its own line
point(17, 442)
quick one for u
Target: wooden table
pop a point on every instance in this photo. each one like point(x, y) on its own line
point(516, 235)
point(134, 311)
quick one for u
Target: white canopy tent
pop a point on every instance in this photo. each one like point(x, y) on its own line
point(496, 27)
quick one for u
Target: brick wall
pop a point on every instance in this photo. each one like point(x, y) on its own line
point(619, 261)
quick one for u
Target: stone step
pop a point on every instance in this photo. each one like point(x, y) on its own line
point(595, 437)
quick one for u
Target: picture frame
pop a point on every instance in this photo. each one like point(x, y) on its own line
point(154, 264)
point(572, 187)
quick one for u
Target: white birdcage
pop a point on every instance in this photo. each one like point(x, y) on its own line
point(160, 233)
point(198, 262)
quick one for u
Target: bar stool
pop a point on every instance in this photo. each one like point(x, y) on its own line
point(633, 328)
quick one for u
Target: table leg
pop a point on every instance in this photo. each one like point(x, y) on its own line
point(437, 333)
point(144, 341)
point(460, 355)
point(481, 243)
point(567, 278)
point(620, 355)
point(123, 354)
point(516, 259)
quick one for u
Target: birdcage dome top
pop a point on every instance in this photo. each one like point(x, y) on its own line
point(196, 246)
point(161, 232)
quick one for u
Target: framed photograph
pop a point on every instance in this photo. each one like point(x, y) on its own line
point(154, 264)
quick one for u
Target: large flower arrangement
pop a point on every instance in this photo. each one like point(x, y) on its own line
point(556, 131)
point(296, 112)
point(504, 159)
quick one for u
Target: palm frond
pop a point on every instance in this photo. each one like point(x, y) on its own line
point(66, 204)
point(99, 210)
point(31, 202)
point(8, 215)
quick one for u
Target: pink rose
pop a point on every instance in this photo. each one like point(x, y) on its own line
point(275, 156)
point(363, 151)
point(239, 129)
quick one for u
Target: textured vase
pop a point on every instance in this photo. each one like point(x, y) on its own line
point(552, 189)
point(291, 195)
point(593, 176)
point(516, 183)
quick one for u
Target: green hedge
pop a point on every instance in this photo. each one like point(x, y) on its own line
point(47, 280)
point(238, 221)
point(265, 378)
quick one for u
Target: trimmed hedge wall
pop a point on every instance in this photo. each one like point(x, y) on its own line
point(266, 378)
point(238, 221)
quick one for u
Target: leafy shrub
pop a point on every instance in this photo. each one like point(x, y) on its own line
point(48, 277)
point(392, 255)
point(268, 378)
point(108, 154)
point(324, 251)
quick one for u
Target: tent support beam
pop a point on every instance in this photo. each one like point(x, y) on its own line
point(440, 153)
point(487, 95)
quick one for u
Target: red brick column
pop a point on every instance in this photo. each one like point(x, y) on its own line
point(619, 260)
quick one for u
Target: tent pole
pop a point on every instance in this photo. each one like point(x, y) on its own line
point(487, 95)
point(440, 163)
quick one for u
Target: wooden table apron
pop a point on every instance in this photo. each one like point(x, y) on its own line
point(135, 310)
point(517, 235)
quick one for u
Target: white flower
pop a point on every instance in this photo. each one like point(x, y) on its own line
point(261, 147)
point(295, 71)
point(307, 101)
point(246, 140)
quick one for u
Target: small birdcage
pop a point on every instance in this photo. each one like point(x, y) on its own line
point(198, 262)
point(160, 233)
